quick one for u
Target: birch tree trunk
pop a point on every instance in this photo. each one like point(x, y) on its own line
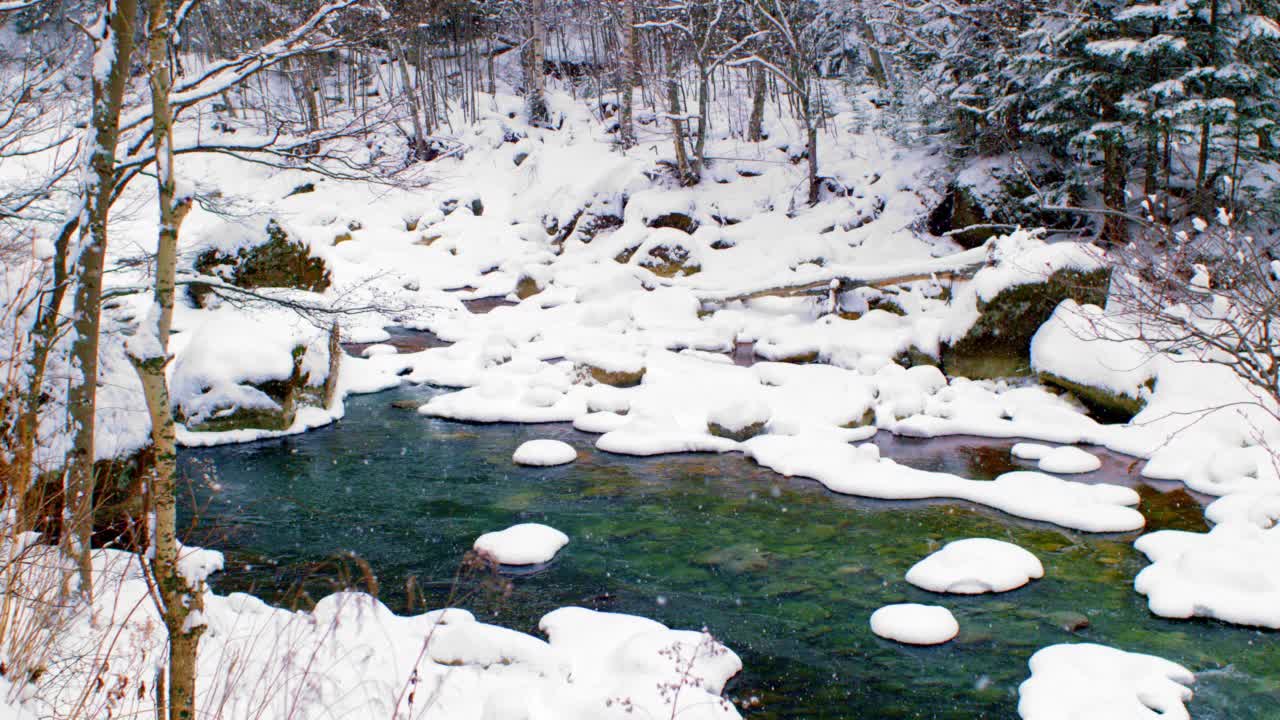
point(627, 70)
point(535, 75)
point(676, 114)
point(113, 46)
point(148, 350)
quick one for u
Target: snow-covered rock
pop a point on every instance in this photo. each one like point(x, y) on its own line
point(861, 471)
point(740, 420)
point(914, 624)
point(544, 453)
point(974, 566)
point(524, 544)
point(1069, 460)
point(1030, 451)
point(1072, 682)
point(1231, 573)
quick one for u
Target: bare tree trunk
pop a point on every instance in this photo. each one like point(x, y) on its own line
point(676, 114)
point(113, 46)
point(627, 70)
point(875, 62)
point(1115, 229)
point(760, 94)
point(704, 113)
point(811, 149)
point(335, 365)
point(148, 350)
point(420, 148)
point(1203, 198)
point(535, 73)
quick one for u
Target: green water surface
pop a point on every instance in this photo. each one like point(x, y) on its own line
point(781, 570)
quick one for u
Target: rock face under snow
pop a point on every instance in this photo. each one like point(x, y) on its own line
point(524, 544)
point(974, 566)
point(544, 453)
point(1102, 683)
point(914, 624)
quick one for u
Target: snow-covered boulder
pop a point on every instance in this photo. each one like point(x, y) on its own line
point(974, 566)
point(524, 544)
point(544, 453)
point(249, 261)
point(1069, 460)
point(612, 367)
point(999, 312)
point(1231, 573)
point(1096, 359)
point(239, 373)
point(669, 252)
point(914, 624)
point(740, 421)
point(1102, 683)
point(1064, 460)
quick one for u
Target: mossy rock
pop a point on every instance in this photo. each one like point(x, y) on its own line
point(527, 287)
point(280, 262)
point(802, 358)
point(1104, 405)
point(741, 435)
point(886, 302)
point(914, 356)
point(999, 343)
point(867, 418)
point(616, 378)
point(288, 394)
point(592, 224)
point(669, 261)
point(677, 220)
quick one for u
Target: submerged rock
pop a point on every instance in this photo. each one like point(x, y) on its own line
point(736, 559)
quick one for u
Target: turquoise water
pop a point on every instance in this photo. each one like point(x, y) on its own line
point(784, 572)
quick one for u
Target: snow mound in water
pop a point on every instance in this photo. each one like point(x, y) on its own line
point(524, 544)
point(915, 624)
point(851, 470)
point(544, 453)
point(1230, 573)
point(1030, 451)
point(974, 566)
point(1069, 460)
point(1103, 683)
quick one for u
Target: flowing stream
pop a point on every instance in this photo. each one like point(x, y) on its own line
point(781, 570)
